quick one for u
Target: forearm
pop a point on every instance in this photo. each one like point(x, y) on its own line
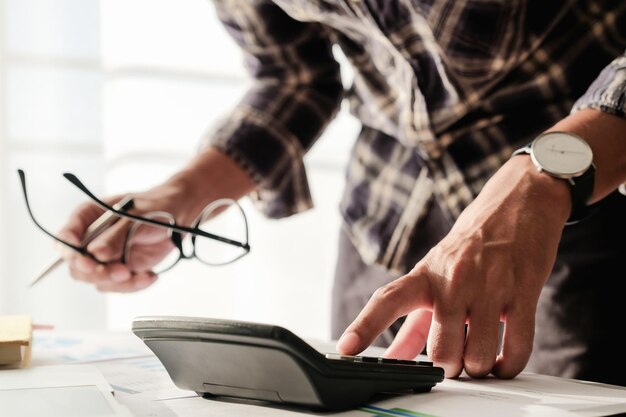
point(550, 196)
point(210, 175)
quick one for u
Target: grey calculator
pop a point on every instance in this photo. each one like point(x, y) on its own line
point(216, 357)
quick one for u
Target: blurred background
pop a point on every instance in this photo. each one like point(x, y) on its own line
point(119, 93)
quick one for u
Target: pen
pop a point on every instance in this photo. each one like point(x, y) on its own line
point(94, 230)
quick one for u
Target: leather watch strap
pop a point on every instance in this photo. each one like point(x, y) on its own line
point(581, 190)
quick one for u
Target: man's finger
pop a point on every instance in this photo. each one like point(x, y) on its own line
point(481, 344)
point(517, 341)
point(93, 275)
point(135, 283)
point(386, 305)
point(79, 220)
point(74, 232)
point(115, 272)
point(109, 246)
point(411, 338)
point(446, 339)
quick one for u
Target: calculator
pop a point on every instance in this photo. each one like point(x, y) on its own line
point(256, 361)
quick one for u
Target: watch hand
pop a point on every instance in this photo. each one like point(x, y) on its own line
point(563, 150)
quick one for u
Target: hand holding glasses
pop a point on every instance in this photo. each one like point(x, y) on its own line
point(152, 237)
point(93, 231)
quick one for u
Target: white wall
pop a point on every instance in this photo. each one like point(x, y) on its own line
point(166, 83)
point(51, 107)
point(3, 268)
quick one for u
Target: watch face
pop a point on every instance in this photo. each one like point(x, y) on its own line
point(561, 154)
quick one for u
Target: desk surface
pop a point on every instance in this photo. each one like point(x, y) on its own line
point(141, 383)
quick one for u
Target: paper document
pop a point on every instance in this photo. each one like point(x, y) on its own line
point(58, 391)
point(53, 348)
point(144, 387)
point(527, 395)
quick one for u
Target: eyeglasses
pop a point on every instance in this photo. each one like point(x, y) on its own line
point(155, 242)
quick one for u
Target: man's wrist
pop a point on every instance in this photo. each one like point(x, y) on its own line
point(566, 156)
point(551, 195)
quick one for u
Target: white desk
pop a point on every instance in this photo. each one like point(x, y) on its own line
point(142, 384)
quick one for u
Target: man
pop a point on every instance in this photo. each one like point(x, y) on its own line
point(446, 233)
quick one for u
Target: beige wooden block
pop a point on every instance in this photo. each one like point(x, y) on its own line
point(15, 340)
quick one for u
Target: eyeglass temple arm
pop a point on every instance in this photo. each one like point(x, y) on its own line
point(79, 249)
point(181, 229)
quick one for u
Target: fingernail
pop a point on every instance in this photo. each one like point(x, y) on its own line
point(348, 343)
point(144, 282)
point(120, 275)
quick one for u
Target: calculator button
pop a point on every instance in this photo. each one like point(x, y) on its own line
point(374, 359)
point(399, 361)
point(348, 358)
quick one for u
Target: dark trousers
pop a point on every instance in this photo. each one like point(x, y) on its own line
point(581, 313)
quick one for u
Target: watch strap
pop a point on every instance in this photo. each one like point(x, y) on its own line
point(525, 149)
point(581, 188)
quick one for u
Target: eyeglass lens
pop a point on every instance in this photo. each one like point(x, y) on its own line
point(152, 248)
point(224, 218)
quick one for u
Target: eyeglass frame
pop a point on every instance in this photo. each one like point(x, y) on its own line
point(175, 228)
point(177, 238)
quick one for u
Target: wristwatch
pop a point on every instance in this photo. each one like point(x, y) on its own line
point(566, 156)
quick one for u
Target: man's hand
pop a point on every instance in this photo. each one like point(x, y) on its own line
point(490, 268)
point(110, 274)
point(211, 175)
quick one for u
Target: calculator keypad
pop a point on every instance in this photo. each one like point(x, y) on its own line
point(373, 359)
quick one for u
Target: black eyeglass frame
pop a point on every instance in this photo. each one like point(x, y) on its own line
point(176, 237)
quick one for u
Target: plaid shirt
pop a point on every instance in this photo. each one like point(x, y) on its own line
point(445, 91)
